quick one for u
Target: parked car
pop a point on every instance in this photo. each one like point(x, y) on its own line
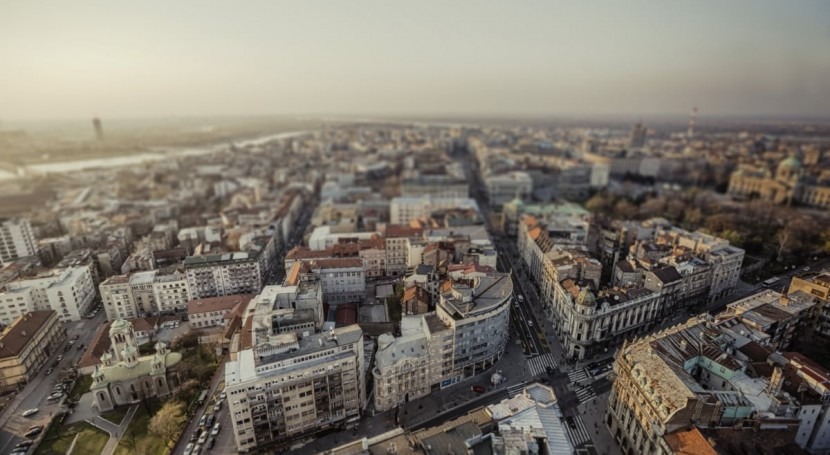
point(217, 406)
point(30, 412)
point(211, 418)
point(478, 389)
point(203, 421)
point(195, 436)
point(188, 449)
point(59, 358)
point(211, 442)
point(49, 371)
point(34, 429)
point(25, 443)
point(81, 347)
point(197, 449)
point(203, 438)
point(216, 429)
point(223, 395)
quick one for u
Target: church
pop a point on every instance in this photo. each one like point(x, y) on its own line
point(791, 184)
point(124, 378)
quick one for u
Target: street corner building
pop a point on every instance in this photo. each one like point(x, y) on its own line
point(465, 335)
point(284, 386)
point(26, 345)
point(123, 377)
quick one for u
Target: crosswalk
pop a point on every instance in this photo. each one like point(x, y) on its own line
point(515, 389)
point(584, 394)
point(538, 365)
point(579, 375)
point(576, 431)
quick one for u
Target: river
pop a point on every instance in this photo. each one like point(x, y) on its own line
point(159, 153)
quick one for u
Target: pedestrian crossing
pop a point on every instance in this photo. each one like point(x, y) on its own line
point(585, 393)
point(577, 432)
point(538, 365)
point(579, 375)
point(515, 389)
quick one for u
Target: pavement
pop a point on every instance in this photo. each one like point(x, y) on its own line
point(12, 424)
point(115, 431)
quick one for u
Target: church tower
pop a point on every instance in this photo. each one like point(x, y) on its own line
point(123, 344)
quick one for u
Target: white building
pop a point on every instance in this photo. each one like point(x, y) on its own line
point(70, 292)
point(223, 274)
point(118, 299)
point(15, 303)
point(16, 240)
point(503, 188)
point(464, 336)
point(342, 280)
point(170, 292)
point(324, 237)
point(402, 210)
point(285, 385)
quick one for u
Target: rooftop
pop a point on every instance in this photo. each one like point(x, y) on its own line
point(22, 331)
point(224, 303)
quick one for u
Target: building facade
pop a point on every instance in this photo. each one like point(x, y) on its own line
point(284, 386)
point(16, 240)
point(25, 346)
point(70, 292)
point(223, 274)
point(125, 377)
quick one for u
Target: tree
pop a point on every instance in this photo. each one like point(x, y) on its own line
point(168, 421)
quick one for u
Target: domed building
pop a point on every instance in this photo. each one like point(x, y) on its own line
point(125, 377)
point(792, 183)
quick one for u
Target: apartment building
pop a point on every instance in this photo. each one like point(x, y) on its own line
point(403, 210)
point(26, 345)
point(503, 188)
point(170, 291)
point(212, 311)
point(118, 299)
point(398, 241)
point(16, 240)
point(342, 280)
point(817, 286)
point(70, 292)
point(704, 382)
point(215, 275)
point(284, 386)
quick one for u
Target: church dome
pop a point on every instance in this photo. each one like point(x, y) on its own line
point(790, 163)
point(120, 325)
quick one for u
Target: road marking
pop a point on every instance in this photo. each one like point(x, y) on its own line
point(539, 364)
point(578, 375)
point(578, 435)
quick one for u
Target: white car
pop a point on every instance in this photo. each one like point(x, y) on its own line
point(216, 428)
point(188, 449)
point(30, 412)
point(203, 438)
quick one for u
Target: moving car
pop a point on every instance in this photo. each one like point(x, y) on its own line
point(217, 406)
point(60, 357)
point(30, 412)
point(215, 430)
point(477, 389)
point(49, 371)
point(211, 442)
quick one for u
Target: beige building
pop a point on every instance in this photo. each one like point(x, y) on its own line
point(26, 345)
point(212, 312)
point(790, 184)
point(124, 377)
point(817, 287)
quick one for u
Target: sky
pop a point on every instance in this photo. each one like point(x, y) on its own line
point(110, 59)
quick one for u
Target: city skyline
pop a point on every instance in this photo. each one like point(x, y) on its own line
point(370, 58)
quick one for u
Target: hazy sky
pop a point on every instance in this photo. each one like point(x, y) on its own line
point(76, 59)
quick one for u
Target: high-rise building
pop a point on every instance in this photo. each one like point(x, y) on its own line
point(99, 129)
point(16, 239)
point(638, 136)
point(287, 385)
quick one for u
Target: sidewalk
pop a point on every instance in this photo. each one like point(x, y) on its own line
point(115, 431)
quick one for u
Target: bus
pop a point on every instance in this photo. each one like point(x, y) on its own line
point(202, 398)
point(770, 282)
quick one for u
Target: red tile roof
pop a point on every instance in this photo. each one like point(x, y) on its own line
point(22, 331)
point(223, 303)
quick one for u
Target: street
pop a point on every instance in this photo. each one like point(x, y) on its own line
point(34, 394)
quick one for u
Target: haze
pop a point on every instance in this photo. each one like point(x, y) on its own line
point(154, 58)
